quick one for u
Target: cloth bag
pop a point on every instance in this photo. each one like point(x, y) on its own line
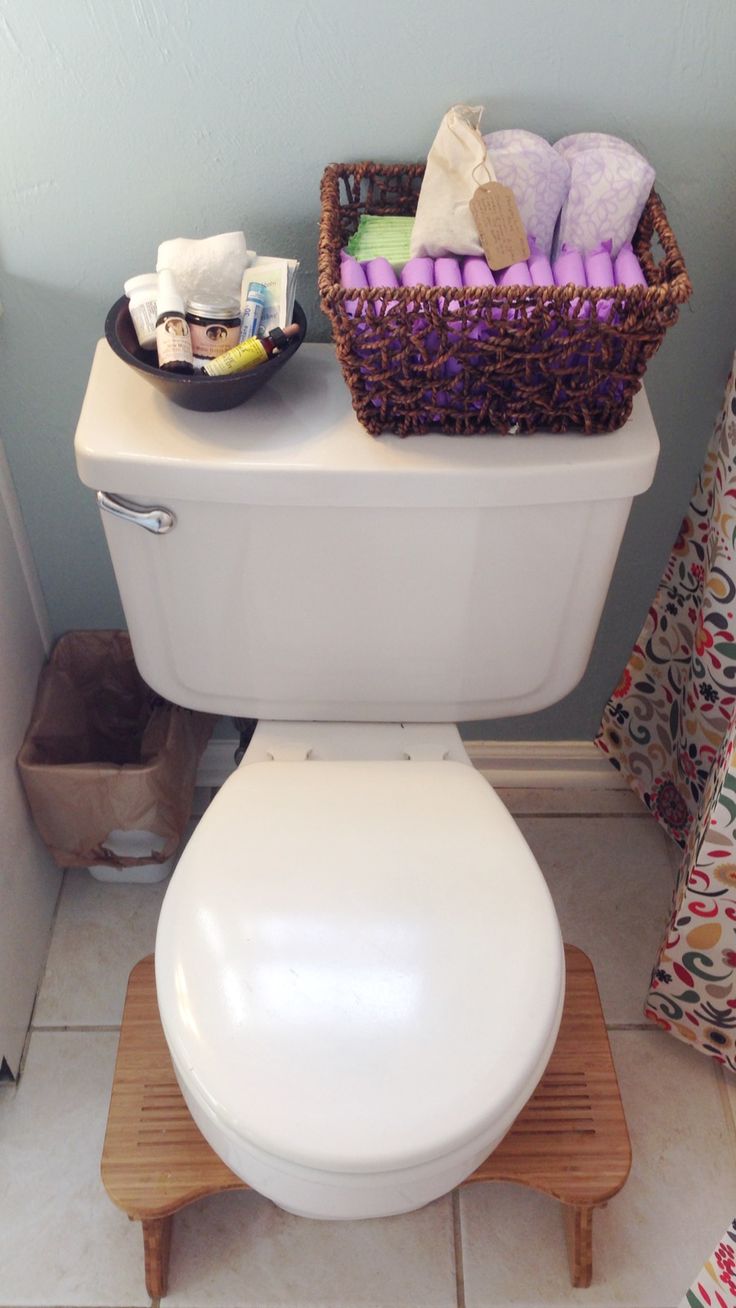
point(457, 164)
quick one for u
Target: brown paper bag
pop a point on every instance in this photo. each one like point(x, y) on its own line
point(105, 752)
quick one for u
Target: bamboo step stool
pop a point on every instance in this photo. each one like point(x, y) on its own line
point(570, 1140)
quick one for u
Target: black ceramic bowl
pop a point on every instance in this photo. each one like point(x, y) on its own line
point(194, 390)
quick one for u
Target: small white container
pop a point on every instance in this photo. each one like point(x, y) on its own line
point(142, 292)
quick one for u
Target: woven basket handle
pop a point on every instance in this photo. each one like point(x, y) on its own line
point(670, 274)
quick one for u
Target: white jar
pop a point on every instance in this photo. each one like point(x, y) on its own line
point(142, 292)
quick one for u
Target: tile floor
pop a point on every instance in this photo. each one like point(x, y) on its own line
point(63, 1244)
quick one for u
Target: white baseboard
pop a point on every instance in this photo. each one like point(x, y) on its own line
point(544, 764)
point(518, 764)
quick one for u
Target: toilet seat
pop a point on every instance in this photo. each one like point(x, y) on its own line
point(360, 976)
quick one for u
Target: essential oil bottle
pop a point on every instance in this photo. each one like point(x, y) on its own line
point(173, 340)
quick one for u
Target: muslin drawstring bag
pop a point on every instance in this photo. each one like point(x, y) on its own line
point(457, 164)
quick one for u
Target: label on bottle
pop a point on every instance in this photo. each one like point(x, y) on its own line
point(210, 339)
point(501, 231)
point(246, 355)
point(173, 341)
point(144, 320)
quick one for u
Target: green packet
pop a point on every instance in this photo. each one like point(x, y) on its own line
point(382, 236)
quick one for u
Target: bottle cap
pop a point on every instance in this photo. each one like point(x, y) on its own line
point(168, 299)
point(282, 338)
point(143, 282)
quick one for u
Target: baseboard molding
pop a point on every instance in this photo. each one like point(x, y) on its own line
point(544, 764)
point(517, 764)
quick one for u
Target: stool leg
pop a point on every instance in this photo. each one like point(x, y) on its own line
point(156, 1249)
point(579, 1227)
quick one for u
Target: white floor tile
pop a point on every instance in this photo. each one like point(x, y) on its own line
point(101, 930)
point(653, 1236)
point(728, 1090)
point(571, 800)
point(240, 1251)
point(61, 1239)
point(611, 881)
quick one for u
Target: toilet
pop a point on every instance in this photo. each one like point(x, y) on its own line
point(359, 966)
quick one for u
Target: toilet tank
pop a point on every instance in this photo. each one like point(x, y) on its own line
point(315, 572)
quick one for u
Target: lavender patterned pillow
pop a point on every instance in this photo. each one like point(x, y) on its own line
point(609, 186)
point(538, 176)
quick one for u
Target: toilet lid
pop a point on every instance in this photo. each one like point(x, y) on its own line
point(358, 964)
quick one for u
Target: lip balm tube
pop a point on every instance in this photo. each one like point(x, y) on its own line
point(599, 272)
point(627, 269)
point(569, 269)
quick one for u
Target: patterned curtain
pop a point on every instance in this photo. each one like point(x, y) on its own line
point(715, 1284)
point(670, 728)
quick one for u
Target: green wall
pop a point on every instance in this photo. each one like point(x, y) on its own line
point(125, 123)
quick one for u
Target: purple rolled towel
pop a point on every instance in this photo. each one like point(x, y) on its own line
point(540, 268)
point(569, 268)
point(352, 275)
point(475, 272)
point(380, 273)
point(599, 272)
point(517, 274)
point(627, 269)
point(447, 273)
point(418, 272)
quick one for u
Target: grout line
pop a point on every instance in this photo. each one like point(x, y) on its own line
point(457, 1236)
point(630, 1026)
point(41, 979)
point(74, 1027)
point(572, 813)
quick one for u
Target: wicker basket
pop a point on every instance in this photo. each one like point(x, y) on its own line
point(482, 359)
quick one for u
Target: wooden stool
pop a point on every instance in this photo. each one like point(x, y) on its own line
point(570, 1140)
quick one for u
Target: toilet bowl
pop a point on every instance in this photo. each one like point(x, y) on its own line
point(359, 970)
point(358, 964)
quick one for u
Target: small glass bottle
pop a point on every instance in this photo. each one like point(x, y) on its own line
point(248, 354)
point(173, 342)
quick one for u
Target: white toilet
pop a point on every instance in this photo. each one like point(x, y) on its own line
point(358, 963)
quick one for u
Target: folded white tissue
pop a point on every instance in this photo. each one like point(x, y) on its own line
point(210, 269)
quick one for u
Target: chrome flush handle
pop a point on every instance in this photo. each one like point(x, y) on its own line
point(153, 519)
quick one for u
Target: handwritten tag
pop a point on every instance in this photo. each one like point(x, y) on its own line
point(499, 224)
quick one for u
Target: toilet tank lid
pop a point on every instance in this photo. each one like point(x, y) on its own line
point(358, 964)
point(298, 441)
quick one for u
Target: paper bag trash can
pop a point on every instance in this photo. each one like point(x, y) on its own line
point(108, 766)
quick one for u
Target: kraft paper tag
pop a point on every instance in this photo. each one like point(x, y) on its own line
point(499, 224)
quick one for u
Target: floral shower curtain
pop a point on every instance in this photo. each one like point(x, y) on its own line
point(670, 728)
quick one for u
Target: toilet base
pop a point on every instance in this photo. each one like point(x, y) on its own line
point(570, 1140)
